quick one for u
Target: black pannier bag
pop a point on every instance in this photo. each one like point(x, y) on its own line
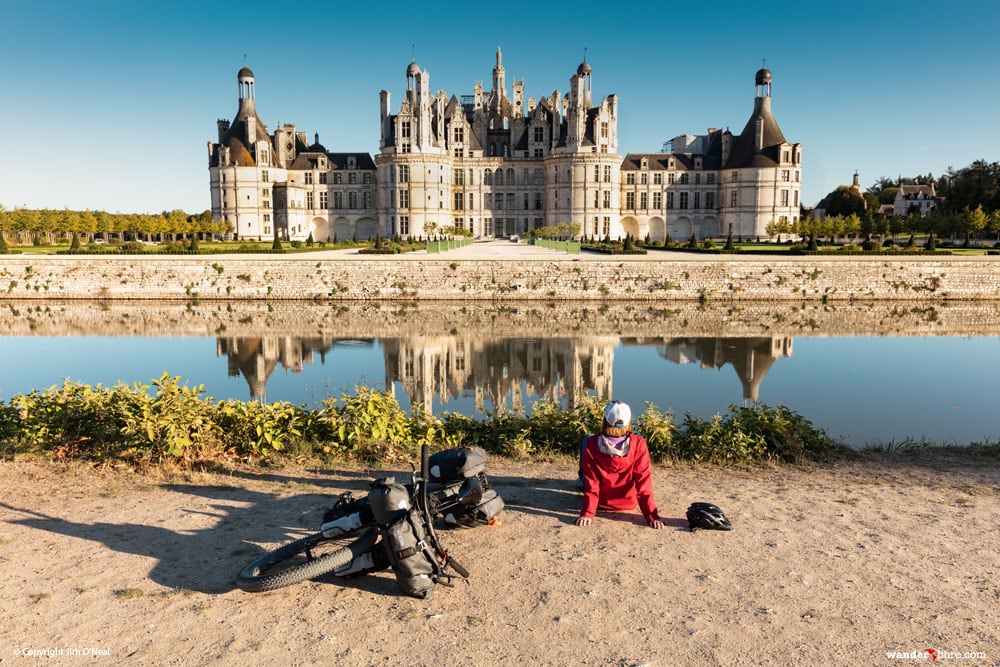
point(450, 465)
point(404, 534)
point(484, 513)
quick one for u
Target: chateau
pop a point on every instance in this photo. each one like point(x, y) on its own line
point(500, 165)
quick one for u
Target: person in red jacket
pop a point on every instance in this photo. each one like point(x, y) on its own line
point(617, 474)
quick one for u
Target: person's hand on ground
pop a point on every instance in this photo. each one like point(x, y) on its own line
point(583, 521)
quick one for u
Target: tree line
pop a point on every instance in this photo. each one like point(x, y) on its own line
point(24, 225)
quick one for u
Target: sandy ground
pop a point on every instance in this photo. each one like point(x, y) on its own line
point(827, 565)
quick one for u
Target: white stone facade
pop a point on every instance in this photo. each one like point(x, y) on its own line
point(500, 165)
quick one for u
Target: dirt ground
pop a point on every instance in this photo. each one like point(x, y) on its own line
point(844, 564)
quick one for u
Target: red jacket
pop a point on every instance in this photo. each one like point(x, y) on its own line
point(617, 483)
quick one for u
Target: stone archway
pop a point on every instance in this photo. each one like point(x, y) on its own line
point(342, 229)
point(709, 227)
point(320, 230)
point(680, 229)
point(630, 226)
point(657, 229)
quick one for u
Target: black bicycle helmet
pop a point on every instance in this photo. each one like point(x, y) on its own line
point(707, 516)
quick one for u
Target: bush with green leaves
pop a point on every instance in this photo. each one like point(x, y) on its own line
point(167, 421)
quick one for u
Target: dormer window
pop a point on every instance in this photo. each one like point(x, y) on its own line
point(352, 162)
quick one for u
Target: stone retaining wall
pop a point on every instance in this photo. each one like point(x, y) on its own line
point(666, 281)
point(483, 320)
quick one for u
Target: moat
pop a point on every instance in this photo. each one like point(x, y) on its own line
point(866, 374)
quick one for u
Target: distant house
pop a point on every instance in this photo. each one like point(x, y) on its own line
point(915, 199)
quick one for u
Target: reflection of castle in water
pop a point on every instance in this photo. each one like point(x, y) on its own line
point(256, 358)
point(502, 372)
point(751, 357)
point(498, 371)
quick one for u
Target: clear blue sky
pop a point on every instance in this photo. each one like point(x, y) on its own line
point(109, 104)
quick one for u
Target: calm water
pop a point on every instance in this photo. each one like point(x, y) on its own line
point(860, 389)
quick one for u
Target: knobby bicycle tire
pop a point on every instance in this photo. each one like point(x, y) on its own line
point(295, 561)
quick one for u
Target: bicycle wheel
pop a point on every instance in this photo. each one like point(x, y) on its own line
point(303, 559)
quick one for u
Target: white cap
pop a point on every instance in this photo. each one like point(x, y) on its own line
point(617, 414)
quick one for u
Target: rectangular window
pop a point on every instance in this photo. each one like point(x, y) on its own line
point(796, 198)
point(404, 129)
point(597, 173)
point(526, 202)
point(784, 174)
point(510, 201)
point(604, 130)
point(309, 178)
point(352, 200)
point(472, 203)
point(607, 173)
point(796, 176)
point(784, 197)
point(643, 200)
point(324, 199)
point(784, 156)
point(264, 176)
point(538, 201)
point(267, 218)
point(404, 224)
point(630, 200)
point(657, 178)
point(488, 200)
point(670, 178)
point(539, 134)
point(670, 200)
point(644, 178)
point(683, 200)
point(404, 199)
point(607, 199)
point(709, 200)
point(338, 200)
point(459, 134)
point(458, 177)
point(630, 178)
point(267, 203)
point(657, 200)
point(735, 177)
point(607, 226)
point(710, 179)
point(697, 200)
point(404, 173)
point(352, 177)
point(597, 198)
point(309, 200)
point(366, 178)
point(684, 178)
point(733, 198)
point(697, 179)
point(322, 178)
point(368, 199)
point(538, 152)
point(459, 201)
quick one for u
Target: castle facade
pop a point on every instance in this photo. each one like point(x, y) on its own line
point(500, 165)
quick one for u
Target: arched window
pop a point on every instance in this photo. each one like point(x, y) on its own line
point(488, 177)
point(499, 177)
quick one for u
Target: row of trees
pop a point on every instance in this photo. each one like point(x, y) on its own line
point(967, 224)
point(24, 225)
